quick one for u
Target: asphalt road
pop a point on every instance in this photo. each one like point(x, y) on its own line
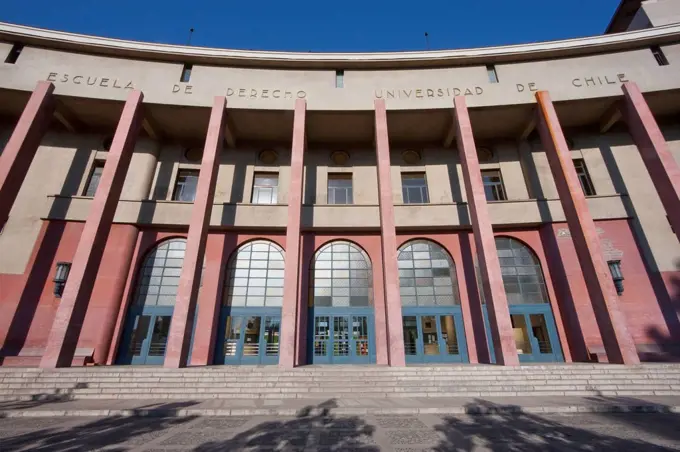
point(330, 432)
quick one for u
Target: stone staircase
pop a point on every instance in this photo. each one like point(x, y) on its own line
point(338, 382)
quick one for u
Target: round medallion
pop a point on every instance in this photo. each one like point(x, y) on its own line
point(484, 154)
point(268, 156)
point(193, 154)
point(411, 157)
point(339, 157)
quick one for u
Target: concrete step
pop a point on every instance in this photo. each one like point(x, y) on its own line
point(246, 385)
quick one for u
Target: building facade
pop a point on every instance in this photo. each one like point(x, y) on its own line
point(175, 205)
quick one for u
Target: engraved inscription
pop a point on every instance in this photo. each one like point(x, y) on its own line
point(90, 80)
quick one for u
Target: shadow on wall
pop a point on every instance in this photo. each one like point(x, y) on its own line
point(668, 303)
point(668, 344)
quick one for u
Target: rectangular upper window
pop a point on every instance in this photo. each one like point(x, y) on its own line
point(339, 79)
point(414, 188)
point(340, 189)
point(186, 73)
point(265, 188)
point(491, 71)
point(95, 176)
point(493, 185)
point(584, 177)
point(185, 187)
point(13, 54)
point(659, 55)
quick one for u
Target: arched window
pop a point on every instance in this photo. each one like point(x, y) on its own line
point(255, 275)
point(522, 275)
point(160, 274)
point(341, 276)
point(427, 275)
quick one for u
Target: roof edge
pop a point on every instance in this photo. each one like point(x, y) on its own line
point(516, 52)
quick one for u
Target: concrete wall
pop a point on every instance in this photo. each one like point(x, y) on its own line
point(99, 77)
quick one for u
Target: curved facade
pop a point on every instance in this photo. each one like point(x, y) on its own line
point(505, 204)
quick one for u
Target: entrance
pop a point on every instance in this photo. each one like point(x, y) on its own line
point(147, 337)
point(148, 320)
point(433, 336)
point(531, 315)
point(342, 336)
point(341, 325)
point(535, 334)
point(432, 319)
point(250, 319)
point(249, 338)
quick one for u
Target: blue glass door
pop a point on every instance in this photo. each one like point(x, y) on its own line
point(535, 333)
point(341, 336)
point(146, 336)
point(248, 336)
point(433, 335)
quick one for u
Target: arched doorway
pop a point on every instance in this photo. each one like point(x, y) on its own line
point(431, 313)
point(341, 306)
point(250, 319)
point(531, 315)
point(148, 320)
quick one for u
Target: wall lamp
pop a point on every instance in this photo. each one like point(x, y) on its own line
point(60, 277)
point(617, 276)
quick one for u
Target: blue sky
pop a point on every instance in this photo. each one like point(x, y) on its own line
point(332, 26)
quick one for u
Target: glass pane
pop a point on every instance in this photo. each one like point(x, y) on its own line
point(94, 179)
point(434, 274)
point(448, 327)
point(251, 336)
point(540, 330)
point(428, 324)
point(340, 336)
point(321, 335)
point(272, 326)
point(232, 336)
point(159, 337)
point(519, 327)
point(360, 335)
point(139, 332)
point(410, 335)
point(342, 268)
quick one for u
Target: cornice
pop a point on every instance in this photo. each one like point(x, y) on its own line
point(368, 60)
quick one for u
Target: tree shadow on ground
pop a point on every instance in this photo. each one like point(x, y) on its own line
point(313, 428)
point(509, 430)
point(118, 433)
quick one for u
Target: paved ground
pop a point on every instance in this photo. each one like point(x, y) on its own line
point(58, 406)
point(326, 431)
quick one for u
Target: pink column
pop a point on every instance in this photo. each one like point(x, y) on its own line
point(485, 243)
point(612, 324)
point(18, 154)
point(179, 338)
point(658, 159)
point(395, 333)
point(68, 320)
point(107, 295)
point(209, 301)
point(291, 300)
